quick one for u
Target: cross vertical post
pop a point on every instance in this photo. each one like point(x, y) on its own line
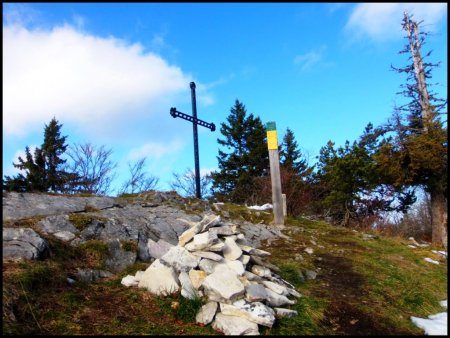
point(195, 121)
point(196, 155)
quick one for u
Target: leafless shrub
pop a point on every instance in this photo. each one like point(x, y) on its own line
point(94, 167)
point(184, 184)
point(139, 181)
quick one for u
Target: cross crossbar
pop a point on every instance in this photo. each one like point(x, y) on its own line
point(175, 113)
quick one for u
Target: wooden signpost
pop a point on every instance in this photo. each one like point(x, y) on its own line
point(277, 198)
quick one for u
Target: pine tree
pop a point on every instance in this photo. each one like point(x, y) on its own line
point(290, 156)
point(417, 156)
point(245, 139)
point(44, 170)
point(53, 147)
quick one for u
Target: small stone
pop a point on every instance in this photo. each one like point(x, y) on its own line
point(255, 292)
point(231, 250)
point(209, 255)
point(310, 274)
point(281, 312)
point(275, 299)
point(309, 250)
point(197, 277)
point(129, 281)
point(261, 271)
point(206, 313)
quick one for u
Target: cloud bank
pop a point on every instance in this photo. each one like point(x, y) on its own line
point(382, 21)
point(80, 78)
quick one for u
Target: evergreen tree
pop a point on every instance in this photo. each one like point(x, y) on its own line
point(248, 158)
point(44, 170)
point(52, 149)
point(290, 156)
point(417, 154)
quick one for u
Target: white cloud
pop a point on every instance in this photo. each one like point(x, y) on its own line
point(308, 60)
point(382, 21)
point(83, 78)
point(155, 151)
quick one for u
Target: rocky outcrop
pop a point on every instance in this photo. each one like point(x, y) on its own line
point(23, 205)
point(154, 221)
point(241, 288)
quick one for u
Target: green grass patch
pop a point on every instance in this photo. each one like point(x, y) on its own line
point(129, 245)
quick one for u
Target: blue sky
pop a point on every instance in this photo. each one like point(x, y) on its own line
point(111, 72)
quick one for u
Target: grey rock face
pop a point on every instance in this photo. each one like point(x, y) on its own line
point(118, 258)
point(56, 223)
point(23, 243)
point(22, 205)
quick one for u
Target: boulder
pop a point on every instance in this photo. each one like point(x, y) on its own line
point(23, 243)
point(234, 326)
point(160, 279)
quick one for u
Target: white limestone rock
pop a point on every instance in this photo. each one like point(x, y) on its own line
point(209, 221)
point(231, 250)
point(201, 241)
point(206, 313)
point(181, 259)
point(160, 279)
point(255, 312)
point(294, 293)
point(186, 236)
point(129, 281)
point(217, 247)
point(138, 275)
point(158, 249)
point(209, 255)
point(281, 312)
point(261, 271)
point(255, 292)
point(235, 326)
point(187, 288)
point(280, 289)
point(274, 299)
point(197, 277)
point(252, 277)
point(207, 265)
point(224, 230)
point(244, 259)
point(224, 282)
point(236, 266)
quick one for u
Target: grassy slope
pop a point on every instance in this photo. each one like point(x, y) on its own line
point(362, 287)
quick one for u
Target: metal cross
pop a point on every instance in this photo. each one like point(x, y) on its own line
point(195, 121)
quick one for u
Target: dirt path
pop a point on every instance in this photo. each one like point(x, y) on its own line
point(345, 288)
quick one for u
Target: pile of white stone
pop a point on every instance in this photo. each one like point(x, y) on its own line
point(213, 260)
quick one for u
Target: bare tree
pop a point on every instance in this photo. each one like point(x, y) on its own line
point(94, 167)
point(184, 184)
point(139, 181)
